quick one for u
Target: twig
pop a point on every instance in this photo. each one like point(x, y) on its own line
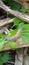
point(15, 13)
point(1, 31)
point(6, 21)
point(5, 30)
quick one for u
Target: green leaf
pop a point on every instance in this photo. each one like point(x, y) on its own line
point(1, 35)
point(2, 41)
point(26, 26)
point(5, 57)
point(16, 21)
point(23, 10)
point(20, 25)
point(12, 32)
point(11, 44)
point(25, 38)
point(25, 34)
point(1, 63)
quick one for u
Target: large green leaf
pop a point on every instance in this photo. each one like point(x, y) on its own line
point(2, 41)
point(25, 38)
point(11, 44)
point(25, 33)
point(5, 57)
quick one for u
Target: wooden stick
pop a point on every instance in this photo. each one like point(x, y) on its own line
point(6, 21)
point(15, 13)
point(5, 30)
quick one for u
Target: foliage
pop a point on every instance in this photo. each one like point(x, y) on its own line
point(18, 23)
point(12, 4)
point(23, 10)
point(24, 34)
point(2, 41)
point(4, 58)
point(13, 32)
point(25, 31)
point(11, 44)
point(15, 6)
point(1, 35)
